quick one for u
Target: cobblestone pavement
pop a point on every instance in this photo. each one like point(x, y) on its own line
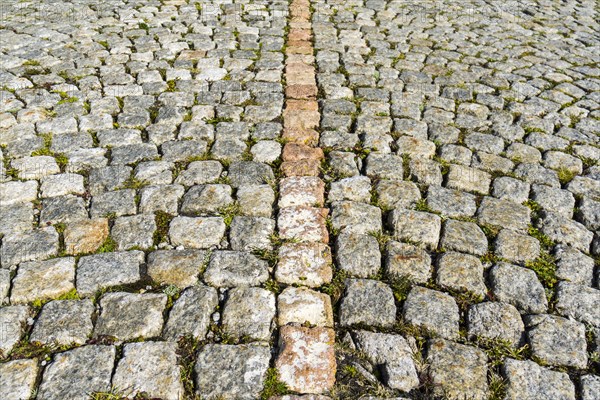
point(304, 199)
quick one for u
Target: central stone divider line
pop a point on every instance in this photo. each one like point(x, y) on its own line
point(306, 360)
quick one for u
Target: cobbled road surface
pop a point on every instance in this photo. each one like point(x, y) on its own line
point(299, 199)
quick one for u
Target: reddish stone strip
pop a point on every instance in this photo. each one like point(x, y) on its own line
point(306, 360)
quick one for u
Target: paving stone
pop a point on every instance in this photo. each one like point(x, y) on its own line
point(16, 218)
point(426, 172)
point(468, 179)
point(527, 380)
point(566, 231)
point(503, 213)
point(384, 166)
point(150, 368)
point(136, 231)
point(18, 379)
point(77, 373)
point(302, 305)
point(507, 188)
point(251, 233)
point(354, 217)
point(128, 316)
point(85, 236)
point(196, 233)
point(302, 223)
point(515, 247)
point(17, 192)
point(99, 271)
point(306, 360)
point(308, 264)
point(451, 203)
point(163, 198)
point(42, 280)
point(574, 266)
point(31, 245)
point(62, 184)
point(206, 199)
point(406, 260)
point(396, 194)
point(419, 227)
point(556, 200)
point(12, 319)
point(589, 213)
point(557, 341)
point(590, 387)
point(394, 354)
point(231, 371)
point(200, 172)
point(358, 254)
point(64, 322)
point(190, 315)
point(301, 191)
point(464, 237)
point(249, 173)
point(518, 286)
point(457, 370)
point(248, 312)
point(357, 188)
point(461, 272)
point(235, 268)
point(256, 200)
point(432, 310)
point(495, 320)
point(367, 302)
point(117, 203)
point(578, 302)
point(5, 279)
point(176, 267)
point(35, 167)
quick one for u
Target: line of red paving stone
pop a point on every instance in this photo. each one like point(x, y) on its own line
point(306, 361)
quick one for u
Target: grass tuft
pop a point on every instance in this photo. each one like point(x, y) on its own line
point(273, 386)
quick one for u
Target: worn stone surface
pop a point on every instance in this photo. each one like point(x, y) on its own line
point(458, 371)
point(150, 368)
point(495, 320)
point(85, 236)
point(231, 371)
point(578, 302)
point(417, 227)
point(306, 360)
point(18, 379)
point(394, 354)
point(77, 373)
point(367, 302)
point(129, 316)
point(100, 271)
point(235, 268)
point(518, 286)
point(527, 380)
point(191, 312)
point(248, 312)
point(432, 310)
point(43, 280)
point(303, 305)
point(358, 254)
point(176, 267)
point(406, 260)
point(304, 263)
point(64, 322)
point(461, 272)
point(557, 341)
